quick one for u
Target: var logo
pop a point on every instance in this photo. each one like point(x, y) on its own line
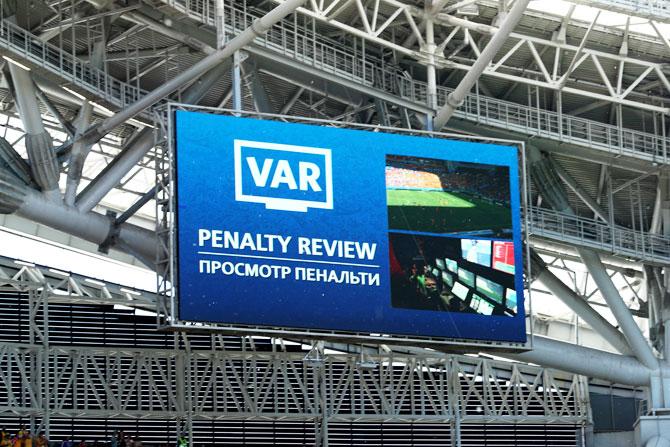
point(283, 177)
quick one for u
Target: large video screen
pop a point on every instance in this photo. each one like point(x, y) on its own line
point(303, 227)
point(477, 251)
point(490, 289)
point(503, 256)
point(467, 277)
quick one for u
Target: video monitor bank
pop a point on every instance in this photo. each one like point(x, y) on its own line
point(308, 228)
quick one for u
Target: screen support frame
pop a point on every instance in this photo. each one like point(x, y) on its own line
point(166, 229)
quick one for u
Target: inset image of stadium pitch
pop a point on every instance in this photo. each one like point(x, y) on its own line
point(437, 196)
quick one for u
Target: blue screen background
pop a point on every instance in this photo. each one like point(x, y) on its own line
point(206, 199)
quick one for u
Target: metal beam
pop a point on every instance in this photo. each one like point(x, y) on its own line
point(546, 182)
point(618, 307)
point(112, 174)
point(577, 189)
point(92, 227)
point(291, 101)
point(80, 149)
point(260, 95)
point(586, 361)
point(257, 28)
point(51, 107)
point(456, 98)
point(43, 164)
point(135, 207)
point(578, 305)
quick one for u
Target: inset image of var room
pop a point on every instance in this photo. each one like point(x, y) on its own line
point(452, 274)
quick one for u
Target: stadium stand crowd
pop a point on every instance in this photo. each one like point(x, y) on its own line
point(410, 173)
point(23, 438)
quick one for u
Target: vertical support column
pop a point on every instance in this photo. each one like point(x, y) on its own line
point(324, 406)
point(80, 148)
point(321, 423)
point(431, 75)
point(39, 358)
point(43, 164)
point(34, 371)
point(237, 81)
point(46, 374)
point(184, 383)
point(220, 25)
point(454, 399)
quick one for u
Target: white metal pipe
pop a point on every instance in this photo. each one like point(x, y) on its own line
point(574, 186)
point(578, 305)
point(112, 174)
point(257, 28)
point(237, 81)
point(431, 73)
point(456, 98)
point(29, 109)
point(92, 227)
point(586, 361)
point(77, 155)
point(44, 167)
point(556, 196)
point(291, 101)
point(618, 307)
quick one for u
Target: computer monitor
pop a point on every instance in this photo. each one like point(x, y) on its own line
point(448, 279)
point(474, 302)
point(491, 289)
point(510, 299)
point(485, 308)
point(477, 251)
point(503, 256)
point(440, 264)
point(452, 265)
point(460, 291)
point(467, 277)
point(436, 273)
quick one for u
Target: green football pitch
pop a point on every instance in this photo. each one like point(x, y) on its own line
point(443, 212)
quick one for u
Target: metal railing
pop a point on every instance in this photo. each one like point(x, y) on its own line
point(598, 235)
point(296, 43)
point(304, 45)
point(653, 9)
point(26, 45)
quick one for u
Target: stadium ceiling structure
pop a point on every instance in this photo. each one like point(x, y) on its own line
point(82, 79)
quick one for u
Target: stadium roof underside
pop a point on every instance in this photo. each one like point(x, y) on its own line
point(590, 99)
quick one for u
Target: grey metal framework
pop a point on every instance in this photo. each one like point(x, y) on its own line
point(41, 381)
point(592, 233)
point(84, 81)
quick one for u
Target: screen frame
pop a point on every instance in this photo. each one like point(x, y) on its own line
point(168, 318)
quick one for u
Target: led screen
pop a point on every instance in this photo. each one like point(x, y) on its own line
point(452, 265)
point(490, 289)
point(503, 256)
point(485, 308)
point(448, 279)
point(467, 277)
point(510, 299)
point(477, 251)
point(460, 290)
point(474, 302)
point(305, 227)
